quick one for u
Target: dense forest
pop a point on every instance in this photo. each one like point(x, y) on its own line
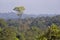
point(39, 28)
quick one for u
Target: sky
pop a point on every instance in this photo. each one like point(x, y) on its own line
point(31, 6)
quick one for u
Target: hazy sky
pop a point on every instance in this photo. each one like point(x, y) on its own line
point(32, 6)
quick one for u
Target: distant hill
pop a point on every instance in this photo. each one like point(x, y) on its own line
point(13, 15)
point(8, 15)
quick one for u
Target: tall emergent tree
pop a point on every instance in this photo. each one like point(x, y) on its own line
point(19, 13)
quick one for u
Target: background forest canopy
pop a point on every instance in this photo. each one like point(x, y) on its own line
point(30, 28)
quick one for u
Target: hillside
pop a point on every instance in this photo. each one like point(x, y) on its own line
point(13, 15)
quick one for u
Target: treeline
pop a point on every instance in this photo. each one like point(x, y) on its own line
point(40, 22)
point(40, 28)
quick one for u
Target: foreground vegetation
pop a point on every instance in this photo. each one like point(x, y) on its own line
point(40, 28)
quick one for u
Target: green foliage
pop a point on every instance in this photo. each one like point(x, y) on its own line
point(3, 23)
point(53, 32)
point(0, 29)
point(8, 34)
point(22, 36)
point(42, 38)
point(19, 10)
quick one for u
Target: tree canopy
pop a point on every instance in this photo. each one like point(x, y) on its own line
point(19, 9)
